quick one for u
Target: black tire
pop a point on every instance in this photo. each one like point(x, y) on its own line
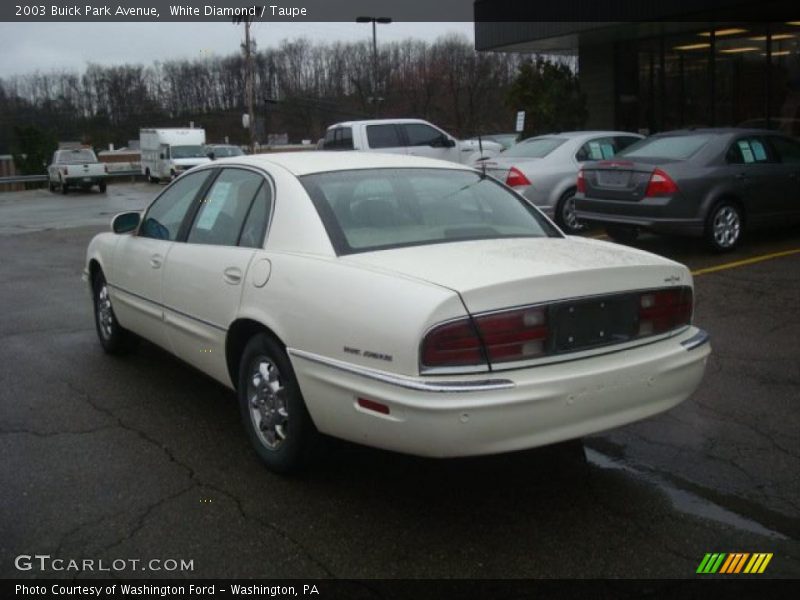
point(724, 226)
point(149, 177)
point(102, 187)
point(51, 186)
point(64, 187)
point(565, 214)
point(113, 337)
point(272, 407)
point(622, 234)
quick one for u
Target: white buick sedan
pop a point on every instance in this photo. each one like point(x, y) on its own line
point(399, 302)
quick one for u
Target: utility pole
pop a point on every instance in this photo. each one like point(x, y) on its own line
point(249, 79)
point(374, 20)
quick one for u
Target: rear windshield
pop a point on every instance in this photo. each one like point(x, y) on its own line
point(376, 209)
point(534, 147)
point(73, 157)
point(675, 147)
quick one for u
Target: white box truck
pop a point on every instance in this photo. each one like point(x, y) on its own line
point(168, 152)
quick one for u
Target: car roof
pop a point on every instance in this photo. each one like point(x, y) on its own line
point(715, 131)
point(576, 134)
point(377, 122)
point(322, 161)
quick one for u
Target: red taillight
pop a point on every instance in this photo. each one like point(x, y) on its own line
point(516, 178)
point(377, 407)
point(580, 184)
point(64, 170)
point(452, 345)
point(660, 184)
point(664, 310)
point(504, 337)
point(514, 335)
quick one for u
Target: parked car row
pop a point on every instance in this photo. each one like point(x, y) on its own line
point(696, 182)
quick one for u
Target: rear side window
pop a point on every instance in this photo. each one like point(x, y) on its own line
point(747, 151)
point(674, 147)
point(383, 136)
point(788, 150)
point(598, 149)
point(340, 138)
point(220, 218)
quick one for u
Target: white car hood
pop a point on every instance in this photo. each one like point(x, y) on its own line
point(493, 274)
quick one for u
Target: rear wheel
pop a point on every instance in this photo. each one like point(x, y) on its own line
point(272, 407)
point(150, 178)
point(64, 187)
point(51, 186)
point(113, 337)
point(724, 226)
point(102, 187)
point(622, 234)
point(565, 214)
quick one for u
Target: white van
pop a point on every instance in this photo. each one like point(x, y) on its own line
point(166, 153)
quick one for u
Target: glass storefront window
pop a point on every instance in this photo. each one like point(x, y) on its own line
point(785, 78)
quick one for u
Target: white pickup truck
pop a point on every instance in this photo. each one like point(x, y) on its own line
point(405, 136)
point(76, 168)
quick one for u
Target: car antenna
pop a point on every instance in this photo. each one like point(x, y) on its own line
point(481, 157)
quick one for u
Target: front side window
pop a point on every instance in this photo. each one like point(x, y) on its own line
point(164, 217)
point(383, 136)
point(224, 208)
point(788, 150)
point(419, 134)
point(376, 209)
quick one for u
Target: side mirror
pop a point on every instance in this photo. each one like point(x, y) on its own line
point(125, 222)
point(211, 155)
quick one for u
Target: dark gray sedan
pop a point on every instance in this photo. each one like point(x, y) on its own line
point(701, 182)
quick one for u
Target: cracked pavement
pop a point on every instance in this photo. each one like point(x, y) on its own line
point(144, 457)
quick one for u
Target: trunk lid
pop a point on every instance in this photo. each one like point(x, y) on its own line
point(495, 274)
point(619, 179)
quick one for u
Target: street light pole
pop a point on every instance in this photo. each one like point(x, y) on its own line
point(374, 21)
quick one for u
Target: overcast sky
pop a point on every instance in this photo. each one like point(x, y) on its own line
point(28, 47)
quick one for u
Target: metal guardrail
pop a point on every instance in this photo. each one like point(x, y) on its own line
point(43, 178)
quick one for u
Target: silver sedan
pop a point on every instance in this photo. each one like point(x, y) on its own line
point(544, 168)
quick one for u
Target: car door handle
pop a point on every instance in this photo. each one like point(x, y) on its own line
point(156, 260)
point(232, 275)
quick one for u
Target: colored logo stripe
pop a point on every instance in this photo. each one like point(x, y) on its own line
point(758, 563)
point(733, 563)
point(711, 562)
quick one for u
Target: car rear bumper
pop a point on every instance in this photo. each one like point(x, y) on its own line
point(503, 411)
point(692, 227)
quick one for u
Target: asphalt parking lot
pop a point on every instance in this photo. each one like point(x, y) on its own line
point(145, 458)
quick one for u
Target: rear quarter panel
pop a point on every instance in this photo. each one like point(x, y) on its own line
point(349, 313)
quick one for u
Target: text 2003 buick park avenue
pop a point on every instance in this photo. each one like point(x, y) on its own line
point(395, 301)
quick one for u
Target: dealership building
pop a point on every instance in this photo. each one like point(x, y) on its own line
point(659, 74)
